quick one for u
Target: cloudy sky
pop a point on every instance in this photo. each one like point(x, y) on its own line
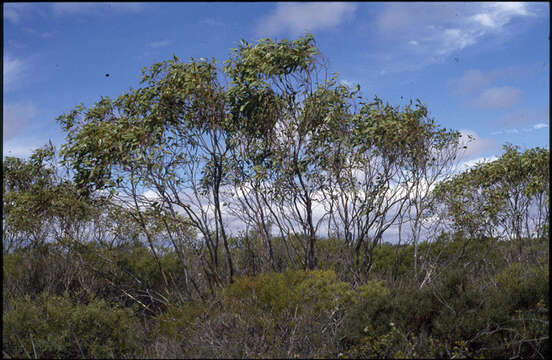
point(482, 68)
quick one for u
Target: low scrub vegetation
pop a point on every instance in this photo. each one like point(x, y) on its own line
point(490, 308)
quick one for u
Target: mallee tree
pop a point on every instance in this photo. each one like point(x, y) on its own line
point(270, 137)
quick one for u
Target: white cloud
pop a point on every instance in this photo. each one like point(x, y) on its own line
point(440, 30)
point(21, 148)
point(17, 12)
point(484, 19)
point(11, 14)
point(471, 163)
point(296, 18)
point(476, 146)
point(479, 87)
point(455, 39)
point(151, 195)
point(510, 131)
point(394, 18)
point(527, 116)
point(471, 81)
point(158, 44)
point(499, 97)
point(516, 118)
point(13, 71)
point(489, 18)
point(496, 15)
point(15, 117)
point(348, 83)
point(517, 131)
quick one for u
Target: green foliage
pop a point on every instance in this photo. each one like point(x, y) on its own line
point(288, 291)
point(55, 327)
point(522, 288)
point(46, 268)
point(392, 344)
point(178, 320)
point(251, 63)
point(275, 315)
point(460, 313)
point(392, 261)
point(34, 187)
point(500, 194)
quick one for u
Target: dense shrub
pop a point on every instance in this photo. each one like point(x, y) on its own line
point(55, 327)
point(393, 262)
point(272, 314)
point(46, 268)
point(515, 314)
point(71, 299)
point(457, 315)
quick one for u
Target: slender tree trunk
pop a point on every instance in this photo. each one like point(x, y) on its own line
point(216, 193)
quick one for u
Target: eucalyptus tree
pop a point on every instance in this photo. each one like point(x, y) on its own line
point(364, 149)
point(166, 137)
point(254, 108)
point(523, 179)
point(270, 84)
point(432, 154)
point(281, 144)
point(40, 206)
point(506, 199)
point(26, 191)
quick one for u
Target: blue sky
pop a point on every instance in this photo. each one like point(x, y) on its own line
point(482, 68)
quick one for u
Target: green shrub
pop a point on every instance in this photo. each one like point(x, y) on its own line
point(368, 313)
point(275, 292)
point(392, 261)
point(55, 327)
point(178, 319)
point(45, 268)
point(392, 344)
point(522, 288)
point(14, 270)
point(269, 315)
point(515, 314)
point(408, 321)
